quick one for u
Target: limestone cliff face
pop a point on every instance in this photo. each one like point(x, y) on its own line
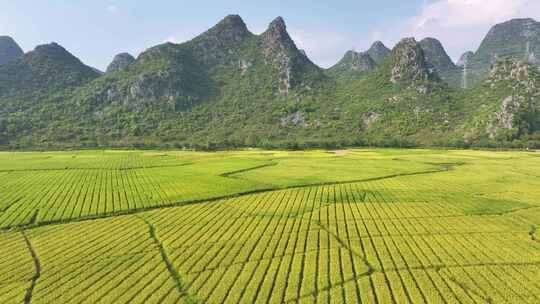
point(504, 118)
point(512, 72)
point(219, 44)
point(519, 111)
point(229, 83)
point(378, 52)
point(439, 61)
point(48, 67)
point(9, 50)
point(436, 55)
point(120, 62)
point(353, 65)
point(518, 39)
point(409, 64)
point(280, 51)
point(178, 77)
point(360, 62)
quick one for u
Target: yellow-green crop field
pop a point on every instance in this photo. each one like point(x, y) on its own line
point(354, 226)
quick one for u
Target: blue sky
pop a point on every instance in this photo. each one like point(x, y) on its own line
point(98, 29)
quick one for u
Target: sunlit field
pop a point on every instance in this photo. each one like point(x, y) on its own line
point(352, 226)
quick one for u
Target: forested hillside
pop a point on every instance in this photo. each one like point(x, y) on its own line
point(231, 88)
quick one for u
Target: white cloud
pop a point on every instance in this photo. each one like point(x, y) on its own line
point(112, 8)
point(459, 13)
point(461, 24)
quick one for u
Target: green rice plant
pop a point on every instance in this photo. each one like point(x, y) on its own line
point(245, 227)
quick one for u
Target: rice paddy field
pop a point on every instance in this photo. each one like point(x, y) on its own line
point(353, 226)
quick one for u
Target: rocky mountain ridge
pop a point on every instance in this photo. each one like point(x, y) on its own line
point(518, 39)
point(47, 67)
point(9, 50)
point(353, 65)
point(378, 52)
point(409, 63)
point(439, 61)
point(229, 87)
point(120, 62)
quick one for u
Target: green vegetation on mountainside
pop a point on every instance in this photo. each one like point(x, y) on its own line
point(518, 39)
point(231, 88)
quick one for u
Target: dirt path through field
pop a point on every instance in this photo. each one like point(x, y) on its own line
point(217, 198)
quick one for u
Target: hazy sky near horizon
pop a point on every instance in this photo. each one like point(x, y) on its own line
point(96, 30)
